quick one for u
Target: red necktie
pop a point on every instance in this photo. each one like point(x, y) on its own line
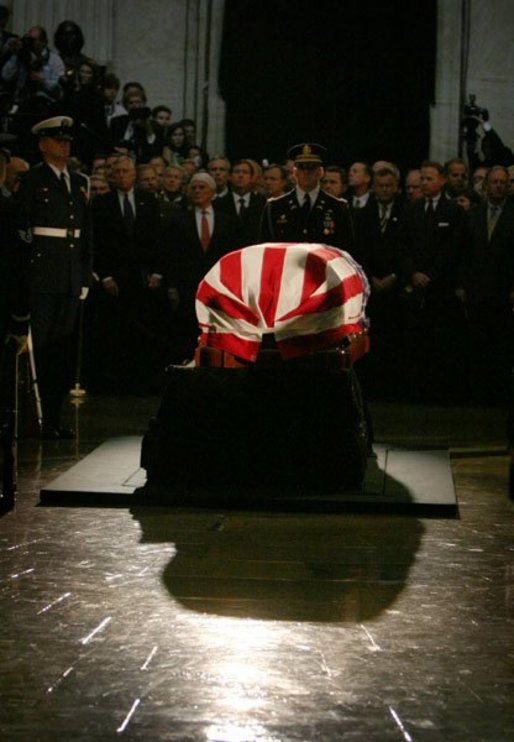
point(205, 236)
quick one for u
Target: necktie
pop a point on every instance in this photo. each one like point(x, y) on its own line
point(430, 210)
point(205, 236)
point(242, 206)
point(306, 206)
point(128, 215)
point(492, 218)
point(64, 182)
point(383, 217)
point(356, 203)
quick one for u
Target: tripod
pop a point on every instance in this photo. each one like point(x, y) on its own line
point(9, 415)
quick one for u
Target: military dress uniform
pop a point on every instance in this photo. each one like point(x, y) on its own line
point(58, 214)
point(323, 219)
point(326, 221)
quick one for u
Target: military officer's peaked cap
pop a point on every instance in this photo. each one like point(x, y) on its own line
point(308, 153)
point(58, 127)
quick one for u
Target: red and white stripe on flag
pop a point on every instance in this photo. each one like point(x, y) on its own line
point(310, 296)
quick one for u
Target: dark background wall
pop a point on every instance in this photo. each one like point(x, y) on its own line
point(357, 77)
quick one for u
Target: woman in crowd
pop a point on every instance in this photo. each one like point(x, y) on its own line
point(176, 150)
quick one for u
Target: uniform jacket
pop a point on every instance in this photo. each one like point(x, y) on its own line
point(328, 223)
point(60, 265)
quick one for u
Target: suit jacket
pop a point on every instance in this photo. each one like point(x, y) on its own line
point(167, 208)
point(129, 259)
point(434, 246)
point(188, 262)
point(488, 269)
point(60, 265)
point(379, 250)
point(251, 218)
point(328, 222)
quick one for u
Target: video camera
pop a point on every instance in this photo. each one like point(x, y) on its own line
point(471, 110)
point(140, 114)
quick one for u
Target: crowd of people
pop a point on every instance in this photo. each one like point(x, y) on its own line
point(142, 212)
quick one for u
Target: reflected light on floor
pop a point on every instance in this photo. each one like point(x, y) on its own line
point(241, 635)
point(234, 733)
point(236, 644)
point(243, 661)
point(239, 702)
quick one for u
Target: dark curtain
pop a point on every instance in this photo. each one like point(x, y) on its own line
point(358, 77)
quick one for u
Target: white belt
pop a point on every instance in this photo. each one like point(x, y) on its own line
point(55, 232)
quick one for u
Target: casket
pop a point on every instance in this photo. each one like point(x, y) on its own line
point(272, 400)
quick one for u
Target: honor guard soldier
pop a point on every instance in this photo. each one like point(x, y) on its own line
point(56, 202)
point(307, 213)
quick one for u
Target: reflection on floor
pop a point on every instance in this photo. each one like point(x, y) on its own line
point(186, 624)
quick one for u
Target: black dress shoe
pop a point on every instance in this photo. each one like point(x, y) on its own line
point(57, 434)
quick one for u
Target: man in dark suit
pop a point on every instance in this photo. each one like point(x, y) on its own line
point(198, 239)
point(56, 202)
point(307, 213)
point(433, 238)
point(360, 177)
point(129, 264)
point(219, 168)
point(172, 196)
point(242, 202)
point(487, 290)
point(378, 231)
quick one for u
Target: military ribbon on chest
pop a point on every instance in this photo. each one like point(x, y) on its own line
point(329, 224)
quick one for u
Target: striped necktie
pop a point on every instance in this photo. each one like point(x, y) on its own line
point(383, 217)
point(492, 218)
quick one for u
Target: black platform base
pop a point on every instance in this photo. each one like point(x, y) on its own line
point(397, 481)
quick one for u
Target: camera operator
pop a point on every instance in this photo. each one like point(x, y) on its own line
point(134, 133)
point(33, 71)
point(69, 41)
point(483, 145)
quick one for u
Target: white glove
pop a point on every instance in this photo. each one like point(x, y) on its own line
point(84, 292)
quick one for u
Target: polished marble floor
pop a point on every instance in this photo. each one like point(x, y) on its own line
point(226, 626)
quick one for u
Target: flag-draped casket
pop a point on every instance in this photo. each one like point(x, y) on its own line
point(297, 425)
point(308, 296)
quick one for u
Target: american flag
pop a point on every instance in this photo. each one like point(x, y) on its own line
point(310, 296)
